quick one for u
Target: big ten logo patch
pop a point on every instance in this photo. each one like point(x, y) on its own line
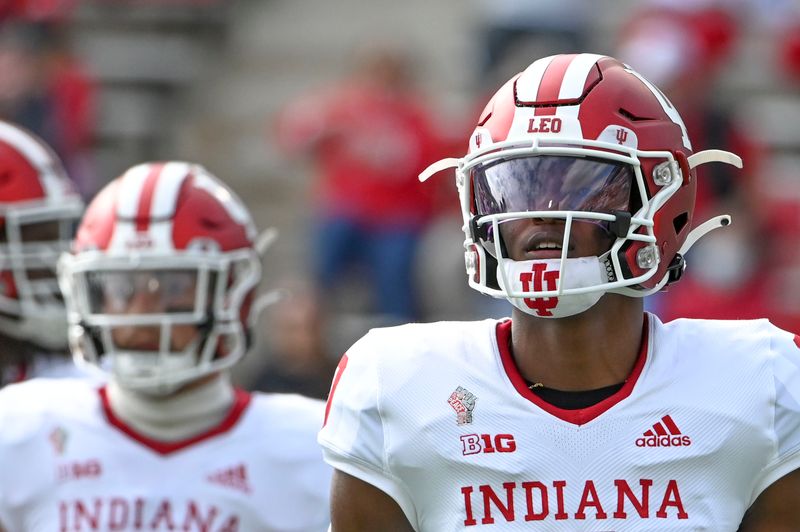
point(79, 470)
point(486, 443)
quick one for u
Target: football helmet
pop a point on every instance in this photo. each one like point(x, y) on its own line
point(175, 236)
point(575, 139)
point(39, 208)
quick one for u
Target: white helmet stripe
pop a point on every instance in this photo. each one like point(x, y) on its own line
point(575, 77)
point(131, 188)
point(528, 83)
point(165, 198)
point(572, 87)
point(166, 193)
point(669, 109)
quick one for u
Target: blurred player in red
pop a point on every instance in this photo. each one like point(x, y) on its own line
point(370, 136)
point(39, 208)
point(159, 286)
point(583, 411)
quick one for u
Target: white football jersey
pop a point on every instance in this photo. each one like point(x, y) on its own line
point(439, 417)
point(68, 464)
point(43, 365)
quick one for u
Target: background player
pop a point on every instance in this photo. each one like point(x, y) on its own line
point(582, 412)
point(159, 287)
point(39, 208)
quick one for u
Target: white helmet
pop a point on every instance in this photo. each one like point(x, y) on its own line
point(579, 138)
point(174, 232)
point(39, 207)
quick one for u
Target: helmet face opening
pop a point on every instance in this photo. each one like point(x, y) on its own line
point(551, 183)
point(546, 187)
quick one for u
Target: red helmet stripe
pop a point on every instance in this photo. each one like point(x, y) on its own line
point(146, 197)
point(550, 87)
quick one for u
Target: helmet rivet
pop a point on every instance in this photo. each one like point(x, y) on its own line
point(647, 257)
point(662, 174)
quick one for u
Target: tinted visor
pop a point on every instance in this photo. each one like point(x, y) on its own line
point(142, 292)
point(551, 183)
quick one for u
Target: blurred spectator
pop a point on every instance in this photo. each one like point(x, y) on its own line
point(297, 354)
point(788, 50)
point(370, 136)
point(684, 50)
point(46, 89)
point(535, 28)
point(37, 10)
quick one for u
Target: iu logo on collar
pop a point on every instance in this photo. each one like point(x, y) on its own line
point(463, 402)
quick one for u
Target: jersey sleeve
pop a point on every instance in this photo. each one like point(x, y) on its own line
point(785, 357)
point(353, 436)
point(24, 468)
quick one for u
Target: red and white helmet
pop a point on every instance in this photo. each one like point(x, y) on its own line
point(174, 228)
point(577, 138)
point(39, 208)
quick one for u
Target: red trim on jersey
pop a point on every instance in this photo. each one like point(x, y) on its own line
point(339, 370)
point(146, 197)
point(580, 416)
point(241, 401)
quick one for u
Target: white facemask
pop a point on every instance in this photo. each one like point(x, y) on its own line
point(536, 276)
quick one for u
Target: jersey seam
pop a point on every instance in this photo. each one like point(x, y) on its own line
point(332, 446)
point(386, 438)
point(775, 462)
point(773, 398)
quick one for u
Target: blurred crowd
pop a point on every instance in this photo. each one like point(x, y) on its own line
point(386, 249)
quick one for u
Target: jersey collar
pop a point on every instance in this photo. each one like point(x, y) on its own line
point(241, 401)
point(580, 416)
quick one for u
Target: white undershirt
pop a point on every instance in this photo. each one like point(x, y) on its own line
point(175, 417)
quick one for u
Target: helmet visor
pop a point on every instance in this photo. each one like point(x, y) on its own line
point(551, 183)
point(143, 292)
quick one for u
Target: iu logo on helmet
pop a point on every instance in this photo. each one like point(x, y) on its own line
point(539, 276)
point(622, 136)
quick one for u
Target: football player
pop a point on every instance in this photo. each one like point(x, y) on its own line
point(160, 285)
point(582, 411)
point(39, 208)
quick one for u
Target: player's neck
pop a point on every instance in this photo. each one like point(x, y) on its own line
point(591, 350)
point(179, 416)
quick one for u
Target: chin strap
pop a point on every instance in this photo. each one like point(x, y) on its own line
point(438, 166)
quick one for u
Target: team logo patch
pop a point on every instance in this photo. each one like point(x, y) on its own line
point(664, 433)
point(233, 477)
point(58, 439)
point(463, 402)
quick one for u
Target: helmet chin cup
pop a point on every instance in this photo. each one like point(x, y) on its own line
point(537, 287)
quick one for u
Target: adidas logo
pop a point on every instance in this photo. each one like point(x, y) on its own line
point(665, 433)
point(234, 477)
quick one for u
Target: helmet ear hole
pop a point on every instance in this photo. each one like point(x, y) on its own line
point(680, 221)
